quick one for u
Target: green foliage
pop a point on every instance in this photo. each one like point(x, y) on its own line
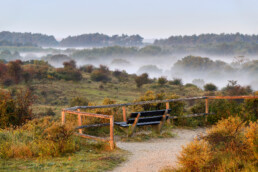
point(222, 44)
point(150, 69)
point(250, 109)
point(141, 80)
point(150, 50)
point(223, 109)
point(38, 138)
point(27, 39)
point(98, 75)
point(97, 39)
point(87, 68)
point(15, 110)
point(210, 87)
point(8, 55)
point(67, 74)
point(122, 76)
point(234, 89)
point(162, 80)
point(79, 101)
point(176, 107)
point(176, 81)
point(47, 112)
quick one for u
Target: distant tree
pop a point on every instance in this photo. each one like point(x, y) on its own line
point(142, 79)
point(104, 69)
point(87, 68)
point(210, 87)
point(198, 82)
point(150, 69)
point(69, 75)
point(15, 70)
point(150, 50)
point(3, 70)
point(120, 62)
point(122, 76)
point(162, 80)
point(70, 64)
point(97, 75)
point(234, 89)
point(15, 110)
point(176, 81)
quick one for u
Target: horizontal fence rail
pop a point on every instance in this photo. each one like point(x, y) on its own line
point(76, 111)
point(135, 103)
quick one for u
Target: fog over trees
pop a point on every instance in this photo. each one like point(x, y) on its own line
point(197, 59)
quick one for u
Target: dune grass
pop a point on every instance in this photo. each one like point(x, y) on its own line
point(93, 157)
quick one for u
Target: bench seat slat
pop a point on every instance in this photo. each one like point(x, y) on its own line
point(145, 119)
point(124, 124)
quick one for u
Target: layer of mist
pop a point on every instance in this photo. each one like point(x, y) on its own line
point(163, 65)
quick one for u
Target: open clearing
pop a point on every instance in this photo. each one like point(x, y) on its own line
point(153, 155)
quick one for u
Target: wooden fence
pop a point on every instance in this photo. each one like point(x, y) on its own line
point(76, 111)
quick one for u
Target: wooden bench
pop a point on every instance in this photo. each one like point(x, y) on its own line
point(156, 117)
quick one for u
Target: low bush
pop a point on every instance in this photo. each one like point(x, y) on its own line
point(176, 81)
point(98, 76)
point(122, 76)
point(15, 109)
point(162, 80)
point(141, 80)
point(229, 145)
point(87, 68)
point(38, 138)
point(79, 101)
point(176, 107)
point(210, 87)
point(67, 74)
point(234, 89)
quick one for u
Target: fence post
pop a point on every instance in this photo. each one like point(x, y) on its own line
point(111, 140)
point(124, 113)
point(167, 107)
point(63, 117)
point(206, 108)
point(79, 121)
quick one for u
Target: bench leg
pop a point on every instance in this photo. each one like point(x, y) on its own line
point(131, 131)
point(162, 121)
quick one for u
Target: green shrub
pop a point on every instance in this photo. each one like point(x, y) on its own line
point(15, 110)
point(176, 107)
point(176, 81)
point(79, 101)
point(234, 89)
point(162, 80)
point(122, 76)
point(87, 68)
point(97, 75)
point(67, 74)
point(141, 80)
point(210, 87)
point(38, 138)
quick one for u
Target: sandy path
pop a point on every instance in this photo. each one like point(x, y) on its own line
point(153, 155)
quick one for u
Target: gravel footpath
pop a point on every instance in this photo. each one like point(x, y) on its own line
point(155, 154)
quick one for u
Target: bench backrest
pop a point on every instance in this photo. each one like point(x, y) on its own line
point(147, 116)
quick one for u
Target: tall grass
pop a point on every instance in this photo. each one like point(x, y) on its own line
point(38, 138)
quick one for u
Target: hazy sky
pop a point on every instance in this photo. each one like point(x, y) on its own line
point(149, 18)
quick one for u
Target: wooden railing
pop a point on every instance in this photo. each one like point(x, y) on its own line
point(80, 114)
point(76, 111)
